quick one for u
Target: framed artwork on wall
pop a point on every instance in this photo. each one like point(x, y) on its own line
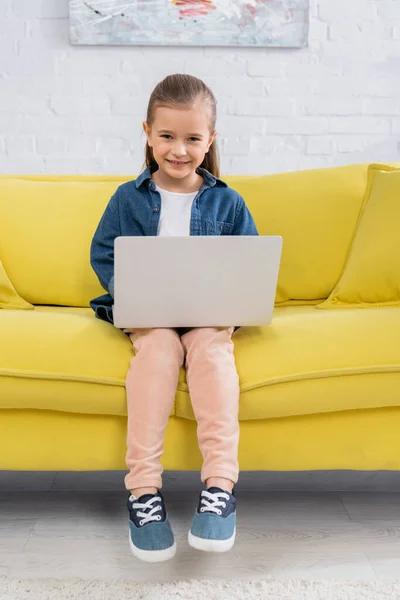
point(259, 23)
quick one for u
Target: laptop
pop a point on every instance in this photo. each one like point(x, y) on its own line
point(195, 281)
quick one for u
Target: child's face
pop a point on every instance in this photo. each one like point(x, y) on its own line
point(180, 138)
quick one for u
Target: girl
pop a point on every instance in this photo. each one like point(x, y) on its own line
point(179, 193)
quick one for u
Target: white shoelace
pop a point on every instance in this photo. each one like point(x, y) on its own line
point(213, 501)
point(147, 516)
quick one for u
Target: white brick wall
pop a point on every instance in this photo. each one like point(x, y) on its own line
point(78, 109)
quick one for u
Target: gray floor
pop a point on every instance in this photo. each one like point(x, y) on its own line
point(344, 526)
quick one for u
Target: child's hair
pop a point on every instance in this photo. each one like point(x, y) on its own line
point(183, 91)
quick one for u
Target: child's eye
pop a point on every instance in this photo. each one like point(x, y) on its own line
point(165, 135)
point(194, 139)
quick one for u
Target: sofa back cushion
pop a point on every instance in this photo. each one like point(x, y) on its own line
point(315, 212)
point(47, 223)
point(46, 228)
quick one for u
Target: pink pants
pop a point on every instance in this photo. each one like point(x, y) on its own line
point(151, 385)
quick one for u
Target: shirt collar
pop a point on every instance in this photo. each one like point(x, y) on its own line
point(209, 179)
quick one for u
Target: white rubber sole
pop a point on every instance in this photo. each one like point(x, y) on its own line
point(211, 545)
point(152, 555)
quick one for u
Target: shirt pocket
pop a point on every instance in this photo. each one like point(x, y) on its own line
point(218, 227)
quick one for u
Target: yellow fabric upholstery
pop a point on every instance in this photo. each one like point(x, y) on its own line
point(315, 212)
point(319, 389)
point(50, 440)
point(295, 366)
point(371, 277)
point(45, 233)
point(304, 360)
point(9, 298)
point(63, 359)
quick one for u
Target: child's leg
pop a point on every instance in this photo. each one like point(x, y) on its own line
point(214, 391)
point(151, 385)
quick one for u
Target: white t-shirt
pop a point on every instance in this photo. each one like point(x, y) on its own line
point(176, 211)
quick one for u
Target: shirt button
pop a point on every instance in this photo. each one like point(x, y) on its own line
point(221, 227)
point(156, 209)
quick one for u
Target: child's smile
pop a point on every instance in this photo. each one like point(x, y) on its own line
point(178, 163)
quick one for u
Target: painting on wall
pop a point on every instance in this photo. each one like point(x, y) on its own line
point(277, 23)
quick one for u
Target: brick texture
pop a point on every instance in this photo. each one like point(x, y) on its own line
point(75, 109)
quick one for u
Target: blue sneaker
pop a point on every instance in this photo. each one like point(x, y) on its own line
point(150, 535)
point(214, 522)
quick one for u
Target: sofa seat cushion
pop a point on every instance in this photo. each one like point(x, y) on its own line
point(307, 361)
point(310, 361)
point(64, 359)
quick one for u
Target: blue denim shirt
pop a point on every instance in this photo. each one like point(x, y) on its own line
point(135, 209)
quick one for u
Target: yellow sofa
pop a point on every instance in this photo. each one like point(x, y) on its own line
point(320, 389)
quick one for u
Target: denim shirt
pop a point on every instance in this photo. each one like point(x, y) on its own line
point(134, 209)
